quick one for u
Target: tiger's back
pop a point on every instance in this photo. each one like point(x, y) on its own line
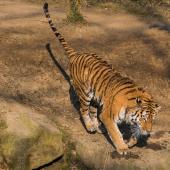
point(91, 74)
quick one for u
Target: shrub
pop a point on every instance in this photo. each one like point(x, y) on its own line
point(74, 12)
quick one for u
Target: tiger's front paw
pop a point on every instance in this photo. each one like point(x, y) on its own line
point(122, 149)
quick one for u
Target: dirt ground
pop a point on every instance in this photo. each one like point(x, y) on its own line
point(29, 76)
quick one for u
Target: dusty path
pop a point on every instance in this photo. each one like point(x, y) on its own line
point(29, 76)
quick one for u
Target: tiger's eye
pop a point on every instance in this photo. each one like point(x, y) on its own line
point(138, 100)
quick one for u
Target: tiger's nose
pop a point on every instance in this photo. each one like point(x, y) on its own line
point(146, 133)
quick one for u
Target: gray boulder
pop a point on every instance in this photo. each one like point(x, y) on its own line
point(27, 139)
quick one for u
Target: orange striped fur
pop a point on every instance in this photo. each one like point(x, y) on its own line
point(119, 97)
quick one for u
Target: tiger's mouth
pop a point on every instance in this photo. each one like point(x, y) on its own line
point(135, 130)
point(138, 132)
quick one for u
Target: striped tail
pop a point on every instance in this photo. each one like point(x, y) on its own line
point(70, 51)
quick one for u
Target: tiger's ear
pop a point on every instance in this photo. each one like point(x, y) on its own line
point(141, 89)
point(158, 107)
point(138, 100)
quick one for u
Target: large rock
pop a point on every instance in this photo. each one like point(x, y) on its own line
point(27, 139)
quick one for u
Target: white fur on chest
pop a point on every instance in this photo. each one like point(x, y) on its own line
point(121, 115)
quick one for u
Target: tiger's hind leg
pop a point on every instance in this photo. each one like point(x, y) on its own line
point(94, 117)
point(84, 109)
point(85, 100)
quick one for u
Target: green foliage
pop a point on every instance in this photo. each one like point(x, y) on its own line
point(74, 15)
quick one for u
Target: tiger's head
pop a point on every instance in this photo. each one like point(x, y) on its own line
point(142, 115)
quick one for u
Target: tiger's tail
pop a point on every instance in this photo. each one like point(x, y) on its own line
point(70, 51)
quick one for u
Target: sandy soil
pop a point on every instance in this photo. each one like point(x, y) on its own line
point(29, 76)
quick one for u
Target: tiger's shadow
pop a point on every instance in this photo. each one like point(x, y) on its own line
point(124, 128)
point(73, 96)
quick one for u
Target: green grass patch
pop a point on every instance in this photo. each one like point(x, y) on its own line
point(75, 17)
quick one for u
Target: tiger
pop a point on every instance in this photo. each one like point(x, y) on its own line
point(118, 97)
